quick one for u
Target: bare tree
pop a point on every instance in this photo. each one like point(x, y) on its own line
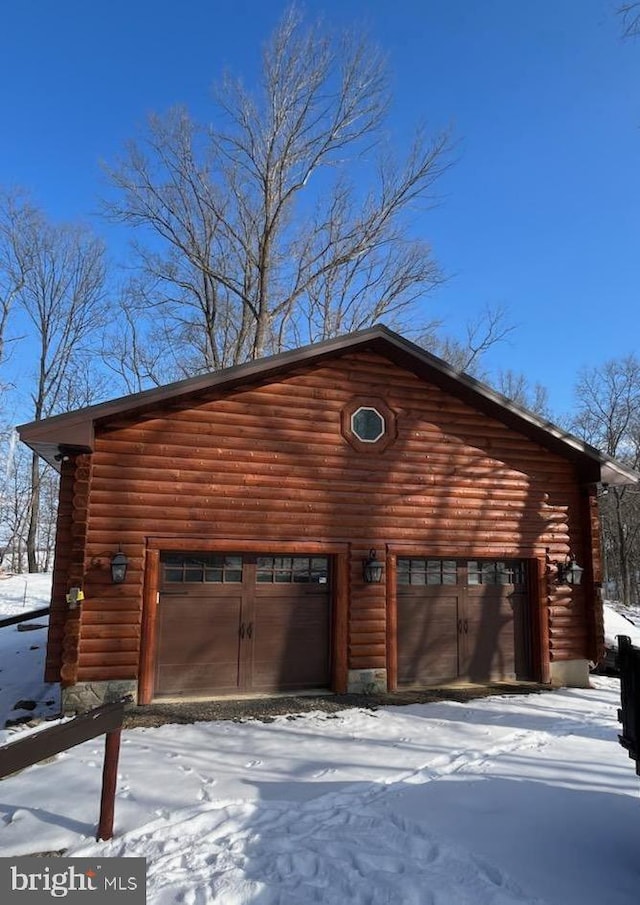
point(61, 299)
point(257, 235)
point(630, 13)
point(518, 388)
point(608, 417)
point(16, 217)
point(142, 354)
point(15, 496)
point(488, 329)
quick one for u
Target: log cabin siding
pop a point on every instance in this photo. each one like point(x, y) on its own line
point(269, 462)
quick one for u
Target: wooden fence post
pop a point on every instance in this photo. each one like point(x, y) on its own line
point(109, 781)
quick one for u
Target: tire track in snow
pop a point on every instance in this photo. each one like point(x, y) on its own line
point(473, 760)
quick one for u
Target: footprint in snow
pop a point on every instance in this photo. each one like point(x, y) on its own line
point(492, 873)
point(254, 763)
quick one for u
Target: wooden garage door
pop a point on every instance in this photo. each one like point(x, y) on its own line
point(462, 619)
point(238, 623)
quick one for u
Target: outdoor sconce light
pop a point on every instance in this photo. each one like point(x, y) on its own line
point(119, 563)
point(569, 572)
point(372, 568)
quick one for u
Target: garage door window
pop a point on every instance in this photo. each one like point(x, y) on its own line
point(202, 568)
point(427, 571)
point(495, 572)
point(292, 569)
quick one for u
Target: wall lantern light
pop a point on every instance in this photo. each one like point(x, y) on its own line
point(569, 572)
point(119, 563)
point(372, 568)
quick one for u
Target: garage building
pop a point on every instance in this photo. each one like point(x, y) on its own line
point(354, 515)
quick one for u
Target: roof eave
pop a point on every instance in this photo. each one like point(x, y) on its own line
point(75, 436)
point(615, 473)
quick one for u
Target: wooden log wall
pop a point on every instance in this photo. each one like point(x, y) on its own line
point(271, 462)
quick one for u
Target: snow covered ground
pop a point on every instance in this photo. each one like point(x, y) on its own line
point(620, 622)
point(21, 593)
point(22, 653)
point(501, 801)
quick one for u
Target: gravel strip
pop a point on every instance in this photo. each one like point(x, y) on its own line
point(267, 709)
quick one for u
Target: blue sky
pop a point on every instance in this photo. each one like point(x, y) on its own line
point(540, 213)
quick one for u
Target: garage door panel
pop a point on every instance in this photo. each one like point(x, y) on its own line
point(462, 619)
point(194, 629)
point(197, 680)
point(488, 648)
point(427, 637)
point(291, 642)
point(522, 635)
point(230, 623)
point(299, 670)
point(197, 644)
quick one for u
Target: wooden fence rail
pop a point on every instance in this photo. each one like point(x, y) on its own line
point(104, 720)
point(24, 617)
point(629, 712)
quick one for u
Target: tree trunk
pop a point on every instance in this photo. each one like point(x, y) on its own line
point(623, 552)
point(34, 515)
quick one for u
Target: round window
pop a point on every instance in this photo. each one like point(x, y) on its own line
point(367, 424)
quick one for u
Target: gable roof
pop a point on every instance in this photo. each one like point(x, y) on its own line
point(75, 431)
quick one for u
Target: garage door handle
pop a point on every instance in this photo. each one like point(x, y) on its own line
point(250, 630)
point(242, 630)
point(459, 626)
point(466, 626)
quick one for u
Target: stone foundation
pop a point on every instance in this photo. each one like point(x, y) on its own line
point(572, 673)
point(367, 681)
point(87, 695)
